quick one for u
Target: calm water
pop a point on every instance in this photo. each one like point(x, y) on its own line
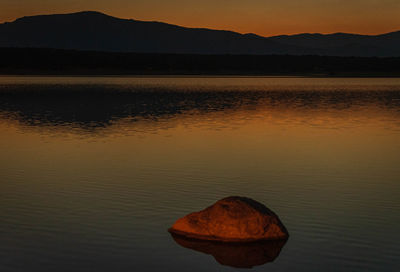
point(93, 171)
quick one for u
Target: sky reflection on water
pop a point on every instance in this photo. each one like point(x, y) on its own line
point(95, 170)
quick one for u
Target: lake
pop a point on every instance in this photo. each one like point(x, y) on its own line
point(94, 170)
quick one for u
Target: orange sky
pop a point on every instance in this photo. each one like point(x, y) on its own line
point(264, 17)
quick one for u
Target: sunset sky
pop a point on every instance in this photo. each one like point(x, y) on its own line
point(263, 17)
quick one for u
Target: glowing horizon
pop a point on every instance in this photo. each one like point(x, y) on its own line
point(265, 18)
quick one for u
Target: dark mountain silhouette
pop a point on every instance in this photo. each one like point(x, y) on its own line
point(343, 44)
point(99, 32)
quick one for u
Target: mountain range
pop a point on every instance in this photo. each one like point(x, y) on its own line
point(95, 31)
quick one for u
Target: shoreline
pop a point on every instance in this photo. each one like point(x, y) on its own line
point(61, 62)
point(163, 75)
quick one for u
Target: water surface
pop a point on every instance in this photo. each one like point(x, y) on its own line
point(93, 171)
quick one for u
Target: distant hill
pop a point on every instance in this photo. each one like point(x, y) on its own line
point(95, 31)
point(343, 44)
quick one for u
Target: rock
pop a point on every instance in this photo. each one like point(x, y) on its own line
point(239, 255)
point(232, 219)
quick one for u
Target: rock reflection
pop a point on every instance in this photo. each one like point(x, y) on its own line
point(239, 255)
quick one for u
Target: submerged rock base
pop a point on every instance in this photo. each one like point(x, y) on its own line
point(239, 255)
point(232, 219)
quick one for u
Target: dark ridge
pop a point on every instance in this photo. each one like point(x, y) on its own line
point(90, 30)
point(100, 32)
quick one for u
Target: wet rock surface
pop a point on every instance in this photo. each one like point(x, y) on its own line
point(232, 219)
